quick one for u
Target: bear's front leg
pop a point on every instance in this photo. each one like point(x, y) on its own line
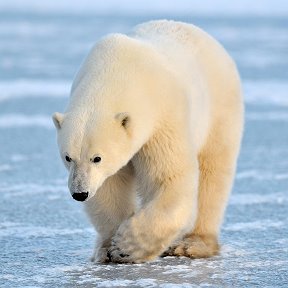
point(100, 253)
point(149, 232)
point(113, 203)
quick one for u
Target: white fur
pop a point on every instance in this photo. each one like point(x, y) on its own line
point(180, 94)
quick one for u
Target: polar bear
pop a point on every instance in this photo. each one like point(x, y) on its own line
point(151, 137)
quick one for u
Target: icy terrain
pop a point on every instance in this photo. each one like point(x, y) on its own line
point(45, 238)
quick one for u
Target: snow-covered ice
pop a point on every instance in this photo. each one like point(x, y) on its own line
point(45, 238)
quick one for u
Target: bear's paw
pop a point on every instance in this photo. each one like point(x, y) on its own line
point(130, 246)
point(194, 246)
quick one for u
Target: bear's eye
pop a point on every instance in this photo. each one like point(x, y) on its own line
point(96, 159)
point(68, 159)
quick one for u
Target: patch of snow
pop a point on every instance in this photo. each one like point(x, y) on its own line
point(21, 231)
point(31, 188)
point(281, 241)
point(64, 268)
point(261, 175)
point(5, 167)
point(210, 7)
point(8, 224)
point(228, 250)
point(54, 197)
point(32, 88)
point(21, 120)
point(173, 285)
point(249, 174)
point(18, 158)
point(25, 28)
point(180, 269)
point(255, 225)
point(115, 283)
point(146, 283)
point(7, 276)
point(282, 176)
point(270, 116)
point(252, 199)
point(259, 93)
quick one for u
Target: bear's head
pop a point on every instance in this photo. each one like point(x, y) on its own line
point(115, 106)
point(94, 149)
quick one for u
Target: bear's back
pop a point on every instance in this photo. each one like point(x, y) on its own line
point(178, 32)
point(184, 43)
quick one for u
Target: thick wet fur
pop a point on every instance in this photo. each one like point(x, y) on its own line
point(161, 110)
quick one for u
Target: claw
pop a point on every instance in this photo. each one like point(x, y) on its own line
point(123, 255)
point(109, 256)
point(119, 257)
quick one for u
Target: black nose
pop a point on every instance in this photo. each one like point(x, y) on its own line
point(80, 196)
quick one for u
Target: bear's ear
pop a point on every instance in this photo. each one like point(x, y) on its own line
point(58, 119)
point(124, 119)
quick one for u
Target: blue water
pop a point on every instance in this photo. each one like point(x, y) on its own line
point(45, 238)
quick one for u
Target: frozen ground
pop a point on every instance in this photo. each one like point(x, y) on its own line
point(45, 238)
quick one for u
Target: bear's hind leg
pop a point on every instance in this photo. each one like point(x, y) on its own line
point(217, 162)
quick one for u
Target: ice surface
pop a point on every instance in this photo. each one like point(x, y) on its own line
point(45, 238)
point(33, 88)
point(18, 120)
point(210, 7)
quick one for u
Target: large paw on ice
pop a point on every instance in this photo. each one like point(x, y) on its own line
point(194, 246)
